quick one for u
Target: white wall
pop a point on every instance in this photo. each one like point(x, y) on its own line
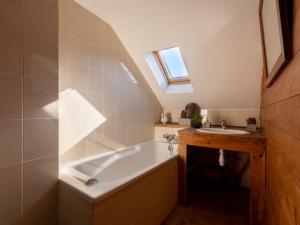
point(219, 40)
point(233, 117)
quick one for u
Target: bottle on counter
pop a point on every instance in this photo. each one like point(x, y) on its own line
point(207, 123)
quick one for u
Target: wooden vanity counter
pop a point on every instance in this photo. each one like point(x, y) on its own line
point(253, 143)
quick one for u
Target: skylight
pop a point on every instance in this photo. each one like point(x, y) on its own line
point(172, 65)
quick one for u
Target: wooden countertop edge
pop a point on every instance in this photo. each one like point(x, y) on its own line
point(253, 142)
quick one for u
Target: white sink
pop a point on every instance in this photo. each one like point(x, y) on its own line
point(222, 131)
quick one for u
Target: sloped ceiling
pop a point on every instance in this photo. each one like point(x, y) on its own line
point(219, 40)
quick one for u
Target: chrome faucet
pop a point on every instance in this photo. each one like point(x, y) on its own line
point(172, 139)
point(223, 124)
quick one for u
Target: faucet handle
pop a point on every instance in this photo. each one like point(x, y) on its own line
point(223, 123)
point(170, 137)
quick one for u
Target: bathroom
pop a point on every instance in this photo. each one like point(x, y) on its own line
point(91, 92)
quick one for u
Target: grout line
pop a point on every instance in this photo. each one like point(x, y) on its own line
point(11, 165)
point(40, 158)
point(11, 74)
point(40, 118)
point(22, 138)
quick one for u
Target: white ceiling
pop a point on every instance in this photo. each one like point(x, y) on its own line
point(219, 40)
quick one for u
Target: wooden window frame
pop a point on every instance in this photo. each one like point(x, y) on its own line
point(166, 73)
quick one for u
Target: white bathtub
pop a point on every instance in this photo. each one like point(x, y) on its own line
point(115, 169)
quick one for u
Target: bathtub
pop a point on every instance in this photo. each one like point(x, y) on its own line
point(140, 178)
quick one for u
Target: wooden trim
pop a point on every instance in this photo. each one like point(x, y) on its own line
point(285, 11)
point(277, 68)
point(258, 189)
point(180, 81)
point(172, 125)
point(164, 70)
point(265, 69)
point(182, 173)
point(161, 65)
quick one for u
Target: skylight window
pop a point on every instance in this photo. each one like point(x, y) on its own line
point(172, 65)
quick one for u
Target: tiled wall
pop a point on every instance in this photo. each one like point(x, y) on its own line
point(104, 101)
point(28, 116)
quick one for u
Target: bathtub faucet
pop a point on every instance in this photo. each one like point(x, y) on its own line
point(172, 139)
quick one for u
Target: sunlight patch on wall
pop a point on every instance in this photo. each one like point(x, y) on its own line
point(74, 128)
point(131, 77)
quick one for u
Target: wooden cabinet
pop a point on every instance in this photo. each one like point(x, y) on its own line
point(252, 143)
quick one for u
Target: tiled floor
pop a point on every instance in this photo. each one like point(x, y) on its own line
point(212, 204)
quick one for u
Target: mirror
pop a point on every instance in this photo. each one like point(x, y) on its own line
point(276, 30)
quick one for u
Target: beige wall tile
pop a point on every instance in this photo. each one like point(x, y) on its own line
point(109, 127)
point(40, 99)
point(122, 106)
point(109, 77)
point(41, 20)
point(95, 58)
point(109, 105)
point(122, 126)
point(10, 97)
point(110, 44)
point(96, 146)
point(72, 130)
point(41, 83)
point(10, 51)
point(78, 151)
point(40, 138)
point(11, 13)
point(40, 60)
point(123, 81)
point(95, 81)
point(77, 21)
point(63, 103)
point(78, 77)
point(96, 101)
point(96, 31)
point(11, 187)
point(10, 142)
point(11, 218)
point(40, 178)
point(43, 211)
point(63, 50)
point(78, 51)
point(78, 104)
point(63, 76)
point(96, 134)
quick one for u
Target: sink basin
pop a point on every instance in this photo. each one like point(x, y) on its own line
point(222, 131)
